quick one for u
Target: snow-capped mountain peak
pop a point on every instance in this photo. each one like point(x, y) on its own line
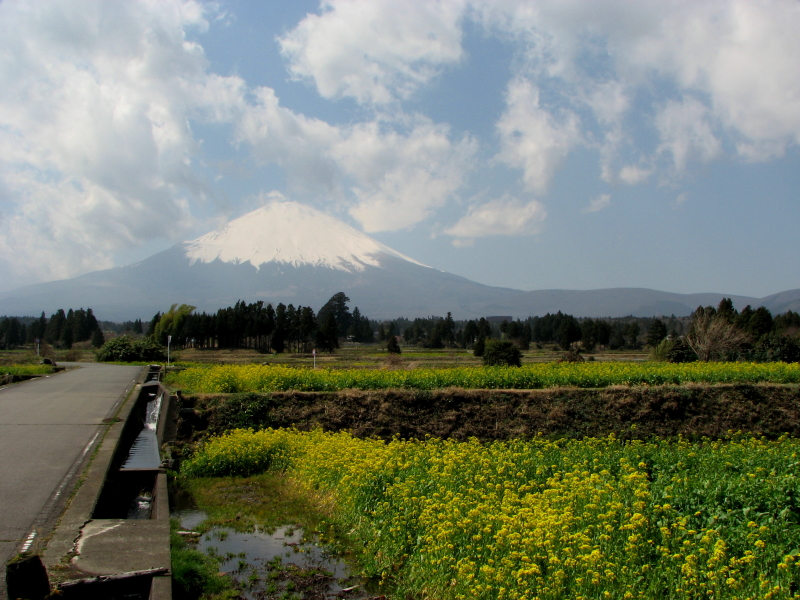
point(293, 234)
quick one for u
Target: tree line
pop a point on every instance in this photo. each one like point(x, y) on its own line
point(723, 333)
point(561, 329)
point(62, 329)
point(710, 333)
point(259, 326)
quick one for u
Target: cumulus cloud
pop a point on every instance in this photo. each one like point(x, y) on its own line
point(374, 52)
point(291, 140)
point(633, 174)
point(95, 147)
point(505, 216)
point(97, 152)
point(533, 138)
point(686, 132)
point(400, 179)
point(739, 54)
point(593, 57)
point(388, 179)
point(99, 101)
point(597, 204)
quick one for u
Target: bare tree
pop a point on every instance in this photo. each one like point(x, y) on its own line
point(712, 335)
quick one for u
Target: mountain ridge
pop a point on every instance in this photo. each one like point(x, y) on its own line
point(265, 255)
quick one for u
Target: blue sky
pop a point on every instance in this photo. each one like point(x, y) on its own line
point(536, 145)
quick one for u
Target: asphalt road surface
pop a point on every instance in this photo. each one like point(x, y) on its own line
point(48, 429)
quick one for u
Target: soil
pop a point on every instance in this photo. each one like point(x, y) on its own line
point(691, 411)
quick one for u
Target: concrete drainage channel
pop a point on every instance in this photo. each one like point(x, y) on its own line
point(113, 540)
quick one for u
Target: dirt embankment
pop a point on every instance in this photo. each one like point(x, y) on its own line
point(638, 412)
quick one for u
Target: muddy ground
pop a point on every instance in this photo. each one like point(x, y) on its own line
point(693, 411)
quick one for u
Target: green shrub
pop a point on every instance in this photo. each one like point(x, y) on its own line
point(242, 410)
point(193, 572)
point(501, 354)
point(674, 351)
point(774, 347)
point(125, 349)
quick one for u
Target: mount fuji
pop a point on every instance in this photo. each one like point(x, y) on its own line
point(291, 253)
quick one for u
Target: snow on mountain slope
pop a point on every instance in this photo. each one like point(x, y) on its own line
point(294, 234)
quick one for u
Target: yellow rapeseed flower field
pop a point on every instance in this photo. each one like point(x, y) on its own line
point(264, 378)
point(25, 370)
point(577, 519)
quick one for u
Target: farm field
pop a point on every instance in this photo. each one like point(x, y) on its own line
point(360, 356)
point(271, 378)
point(591, 518)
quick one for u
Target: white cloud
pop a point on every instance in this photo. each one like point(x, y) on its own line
point(687, 133)
point(388, 180)
point(739, 57)
point(399, 180)
point(597, 204)
point(377, 51)
point(505, 216)
point(97, 152)
point(99, 101)
point(532, 138)
point(299, 144)
point(95, 146)
point(632, 174)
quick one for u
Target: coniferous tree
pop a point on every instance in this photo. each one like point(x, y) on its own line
point(470, 334)
point(760, 323)
point(68, 330)
point(480, 346)
point(603, 332)
point(281, 329)
point(151, 327)
point(98, 339)
point(435, 339)
point(54, 326)
point(726, 311)
point(392, 346)
point(631, 333)
point(37, 329)
point(341, 312)
point(448, 329)
point(328, 333)
point(656, 333)
point(10, 333)
point(568, 332)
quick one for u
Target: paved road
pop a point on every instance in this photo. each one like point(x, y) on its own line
point(48, 428)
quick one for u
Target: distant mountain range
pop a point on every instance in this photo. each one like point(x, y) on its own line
point(291, 253)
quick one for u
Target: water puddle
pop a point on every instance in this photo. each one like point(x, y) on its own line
point(279, 563)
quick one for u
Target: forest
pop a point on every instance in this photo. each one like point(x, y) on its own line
point(299, 329)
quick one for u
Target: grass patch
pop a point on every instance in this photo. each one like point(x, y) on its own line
point(195, 574)
point(268, 500)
